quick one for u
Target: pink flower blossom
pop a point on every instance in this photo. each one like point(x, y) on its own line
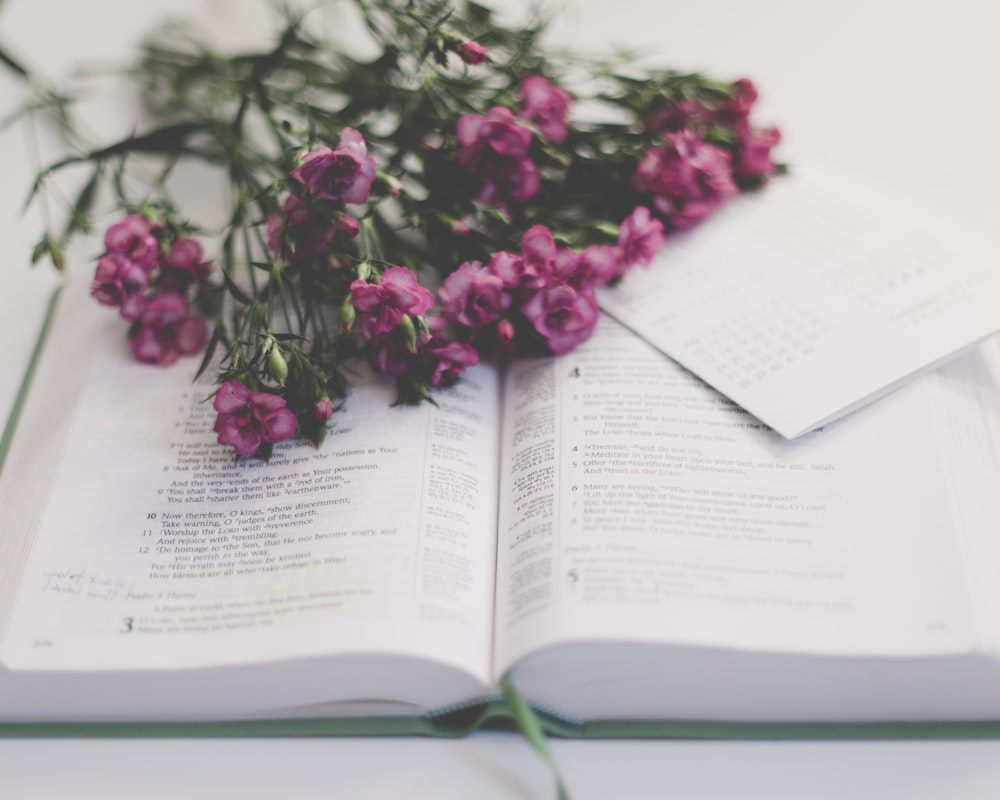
point(444, 361)
point(603, 263)
point(735, 112)
point(472, 53)
point(562, 315)
point(301, 232)
point(640, 237)
point(568, 267)
point(119, 282)
point(687, 178)
point(165, 331)
point(391, 357)
point(546, 106)
point(183, 265)
point(534, 267)
point(248, 419)
point(538, 248)
point(344, 174)
point(134, 236)
point(508, 267)
point(495, 148)
point(382, 306)
point(679, 115)
point(753, 162)
point(497, 132)
point(473, 296)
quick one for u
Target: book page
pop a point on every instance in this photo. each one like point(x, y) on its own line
point(158, 550)
point(969, 431)
point(812, 297)
point(640, 505)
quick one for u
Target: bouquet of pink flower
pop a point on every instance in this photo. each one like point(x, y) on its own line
point(422, 210)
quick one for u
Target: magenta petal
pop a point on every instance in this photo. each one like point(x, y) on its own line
point(151, 349)
point(264, 403)
point(192, 334)
point(231, 398)
point(279, 426)
point(244, 440)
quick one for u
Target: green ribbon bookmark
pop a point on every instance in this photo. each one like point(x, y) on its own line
point(530, 727)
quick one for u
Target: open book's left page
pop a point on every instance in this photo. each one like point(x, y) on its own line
point(157, 551)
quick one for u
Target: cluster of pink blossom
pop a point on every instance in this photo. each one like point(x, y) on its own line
point(308, 226)
point(246, 419)
point(687, 177)
point(543, 298)
point(146, 272)
point(402, 343)
point(495, 146)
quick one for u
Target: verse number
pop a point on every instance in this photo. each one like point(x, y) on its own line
point(128, 625)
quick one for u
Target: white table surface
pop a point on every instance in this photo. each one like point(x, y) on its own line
point(900, 92)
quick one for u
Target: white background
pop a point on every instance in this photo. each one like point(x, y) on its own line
point(897, 92)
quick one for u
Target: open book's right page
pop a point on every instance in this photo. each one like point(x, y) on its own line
point(809, 299)
point(643, 506)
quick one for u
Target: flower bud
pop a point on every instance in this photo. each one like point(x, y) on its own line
point(472, 53)
point(505, 332)
point(347, 225)
point(348, 315)
point(364, 270)
point(277, 367)
point(389, 183)
point(322, 409)
point(409, 333)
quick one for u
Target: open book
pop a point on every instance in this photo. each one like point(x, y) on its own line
point(605, 528)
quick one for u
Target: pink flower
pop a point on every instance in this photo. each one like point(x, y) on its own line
point(472, 53)
point(679, 115)
point(495, 149)
point(640, 237)
point(247, 419)
point(183, 266)
point(300, 232)
point(165, 331)
point(391, 356)
point(562, 315)
point(444, 361)
point(497, 133)
point(508, 267)
point(382, 306)
point(473, 296)
point(119, 282)
point(687, 178)
point(546, 106)
point(135, 238)
point(753, 162)
point(603, 263)
point(538, 248)
point(344, 174)
point(735, 112)
point(534, 267)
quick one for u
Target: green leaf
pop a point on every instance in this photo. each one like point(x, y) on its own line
point(7, 60)
point(168, 139)
point(84, 202)
point(235, 290)
point(209, 351)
